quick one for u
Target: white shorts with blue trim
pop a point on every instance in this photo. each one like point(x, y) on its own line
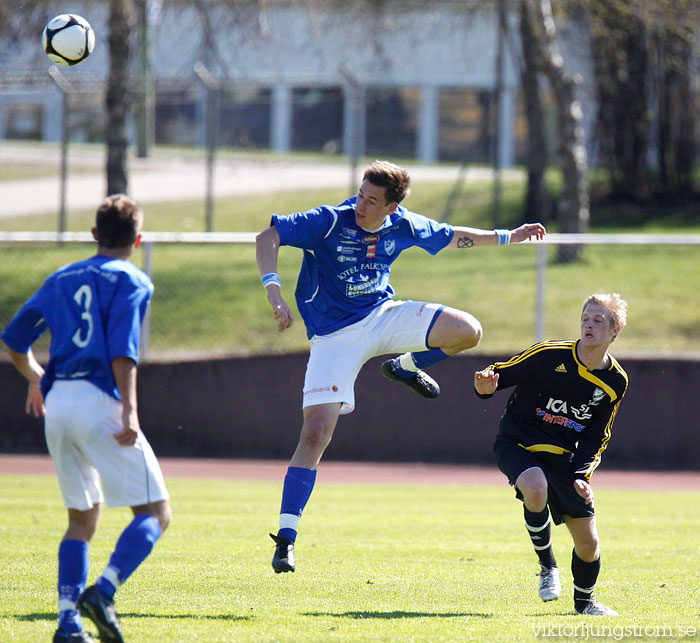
point(80, 424)
point(336, 359)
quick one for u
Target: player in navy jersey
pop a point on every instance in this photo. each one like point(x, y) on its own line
point(93, 310)
point(347, 303)
point(555, 427)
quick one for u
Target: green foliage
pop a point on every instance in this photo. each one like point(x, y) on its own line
point(454, 563)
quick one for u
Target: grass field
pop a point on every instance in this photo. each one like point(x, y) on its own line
point(374, 563)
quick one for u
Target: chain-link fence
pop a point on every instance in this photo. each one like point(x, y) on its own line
point(209, 302)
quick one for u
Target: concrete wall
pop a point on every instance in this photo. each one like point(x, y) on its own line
point(251, 408)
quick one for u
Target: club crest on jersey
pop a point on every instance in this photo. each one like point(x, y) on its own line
point(583, 413)
point(389, 246)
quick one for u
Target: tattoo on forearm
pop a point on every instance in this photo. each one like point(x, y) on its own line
point(465, 242)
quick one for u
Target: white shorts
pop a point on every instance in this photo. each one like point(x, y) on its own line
point(336, 359)
point(80, 424)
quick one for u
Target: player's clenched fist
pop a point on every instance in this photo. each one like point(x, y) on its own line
point(485, 382)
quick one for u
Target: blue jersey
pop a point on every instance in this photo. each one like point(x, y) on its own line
point(93, 309)
point(345, 271)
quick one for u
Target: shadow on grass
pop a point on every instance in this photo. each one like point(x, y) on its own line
point(388, 615)
point(44, 616)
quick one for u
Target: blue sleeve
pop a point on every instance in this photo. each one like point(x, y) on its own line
point(124, 326)
point(304, 229)
point(429, 234)
point(26, 326)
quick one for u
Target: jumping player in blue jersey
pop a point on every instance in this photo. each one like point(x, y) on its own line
point(93, 310)
point(556, 425)
point(347, 304)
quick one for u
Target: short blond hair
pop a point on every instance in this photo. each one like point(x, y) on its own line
point(615, 304)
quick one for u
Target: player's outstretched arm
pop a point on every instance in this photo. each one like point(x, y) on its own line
point(469, 237)
point(267, 245)
point(124, 369)
point(27, 365)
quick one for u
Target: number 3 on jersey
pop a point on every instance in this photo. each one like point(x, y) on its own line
point(83, 297)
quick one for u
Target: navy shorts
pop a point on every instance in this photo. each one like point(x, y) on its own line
point(562, 498)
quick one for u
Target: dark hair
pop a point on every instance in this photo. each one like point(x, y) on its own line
point(118, 221)
point(393, 178)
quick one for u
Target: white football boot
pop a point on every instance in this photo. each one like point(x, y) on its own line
point(550, 584)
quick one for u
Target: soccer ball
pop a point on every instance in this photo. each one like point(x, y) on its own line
point(68, 39)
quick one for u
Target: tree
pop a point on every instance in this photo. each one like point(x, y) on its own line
point(676, 113)
point(621, 64)
point(573, 209)
point(537, 155)
point(121, 17)
point(642, 52)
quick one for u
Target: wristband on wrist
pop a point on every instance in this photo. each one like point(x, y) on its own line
point(503, 237)
point(271, 278)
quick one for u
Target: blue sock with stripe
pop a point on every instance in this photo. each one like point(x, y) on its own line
point(73, 565)
point(298, 485)
point(133, 546)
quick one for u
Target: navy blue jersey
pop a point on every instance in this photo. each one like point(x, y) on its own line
point(558, 405)
point(345, 271)
point(93, 309)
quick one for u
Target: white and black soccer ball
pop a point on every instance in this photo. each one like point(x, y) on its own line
point(68, 39)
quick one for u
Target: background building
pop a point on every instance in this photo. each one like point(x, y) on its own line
point(402, 78)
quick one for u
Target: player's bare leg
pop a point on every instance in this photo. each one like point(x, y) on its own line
point(455, 331)
point(159, 510)
point(452, 331)
point(316, 433)
point(532, 484)
point(82, 525)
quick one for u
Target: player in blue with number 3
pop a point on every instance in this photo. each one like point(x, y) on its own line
point(344, 296)
point(94, 309)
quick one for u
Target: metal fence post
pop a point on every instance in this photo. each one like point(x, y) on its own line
point(212, 119)
point(146, 326)
point(353, 134)
point(64, 87)
point(540, 279)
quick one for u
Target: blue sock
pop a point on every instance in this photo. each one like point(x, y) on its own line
point(135, 543)
point(422, 360)
point(298, 484)
point(73, 564)
point(429, 357)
